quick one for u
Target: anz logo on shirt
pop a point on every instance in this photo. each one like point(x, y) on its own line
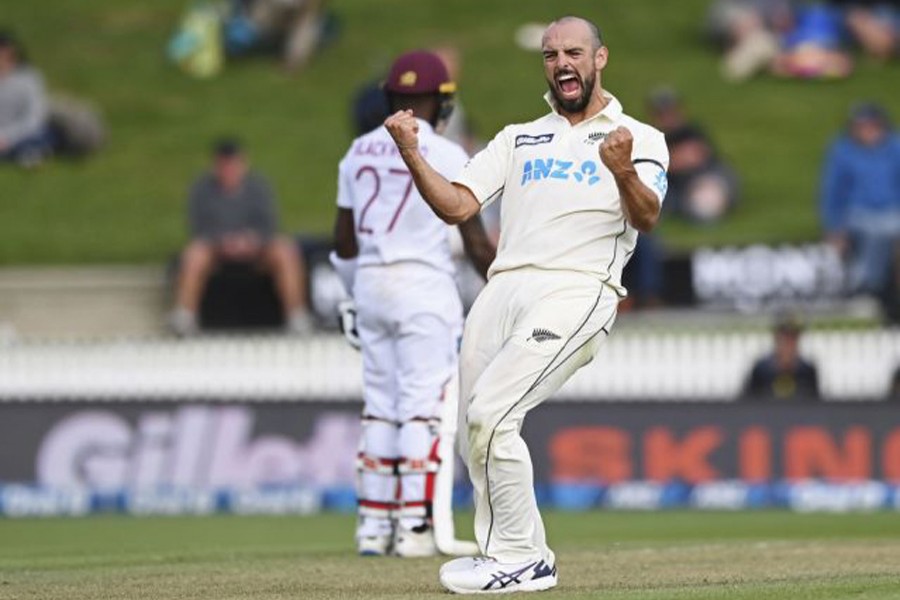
point(554, 168)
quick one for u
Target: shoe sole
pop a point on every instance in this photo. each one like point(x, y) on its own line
point(532, 585)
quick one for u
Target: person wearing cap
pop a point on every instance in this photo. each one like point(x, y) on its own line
point(394, 258)
point(578, 184)
point(24, 133)
point(783, 375)
point(860, 198)
point(232, 218)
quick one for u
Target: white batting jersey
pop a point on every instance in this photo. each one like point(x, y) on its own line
point(561, 208)
point(393, 222)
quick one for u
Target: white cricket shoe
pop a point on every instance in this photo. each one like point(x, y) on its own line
point(374, 545)
point(463, 563)
point(481, 575)
point(410, 543)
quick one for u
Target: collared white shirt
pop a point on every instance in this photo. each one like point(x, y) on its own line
point(393, 222)
point(561, 208)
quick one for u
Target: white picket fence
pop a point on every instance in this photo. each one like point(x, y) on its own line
point(633, 365)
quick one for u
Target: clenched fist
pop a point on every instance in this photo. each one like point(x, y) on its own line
point(615, 151)
point(404, 128)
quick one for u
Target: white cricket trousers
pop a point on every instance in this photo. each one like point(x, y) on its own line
point(409, 318)
point(528, 332)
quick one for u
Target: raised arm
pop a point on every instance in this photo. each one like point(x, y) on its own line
point(452, 203)
point(640, 203)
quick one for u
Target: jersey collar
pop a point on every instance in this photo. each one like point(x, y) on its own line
point(612, 111)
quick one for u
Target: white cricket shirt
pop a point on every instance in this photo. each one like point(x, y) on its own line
point(393, 223)
point(561, 207)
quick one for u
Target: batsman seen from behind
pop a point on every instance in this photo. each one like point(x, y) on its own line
point(393, 255)
point(578, 184)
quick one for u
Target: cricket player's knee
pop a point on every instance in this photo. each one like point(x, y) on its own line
point(478, 418)
point(416, 438)
point(486, 426)
point(477, 432)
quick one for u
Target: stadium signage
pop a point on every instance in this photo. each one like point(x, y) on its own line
point(612, 454)
point(758, 276)
point(192, 447)
point(74, 458)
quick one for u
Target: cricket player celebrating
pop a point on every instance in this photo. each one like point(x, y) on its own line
point(393, 255)
point(578, 185)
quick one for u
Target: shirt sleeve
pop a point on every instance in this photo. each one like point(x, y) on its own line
point(651, 161)
point(453, 161)
point(345, 187)
point(485, 173)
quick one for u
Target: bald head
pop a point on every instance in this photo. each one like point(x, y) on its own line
point(591, 31)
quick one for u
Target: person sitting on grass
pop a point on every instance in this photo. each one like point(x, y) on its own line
point(232, 218)
point(24, 133)
point(815, 48)
point(703, 188)
point(873, 24)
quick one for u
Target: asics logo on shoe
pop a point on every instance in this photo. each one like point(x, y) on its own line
point(501, 579)
point(542, 569)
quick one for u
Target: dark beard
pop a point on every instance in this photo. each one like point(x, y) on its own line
point(579, 104)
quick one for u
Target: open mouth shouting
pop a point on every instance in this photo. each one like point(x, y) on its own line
point(569, 85)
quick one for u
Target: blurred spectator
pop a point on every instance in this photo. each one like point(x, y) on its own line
point(76, 126)
point(196, 46)
point(232, 218)
point(749, 31)
point(24, 133)
point(296, 26)
point(208, 31)
point(702, 187)
point(369, 108)
point(814, 47)
point(783, 375)
point(873, 24)
point(860, 197)
point(643, 276)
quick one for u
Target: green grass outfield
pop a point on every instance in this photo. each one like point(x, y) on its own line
point(614, 555)
point(126, 204)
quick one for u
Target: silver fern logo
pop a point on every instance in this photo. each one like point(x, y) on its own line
point(543, 335)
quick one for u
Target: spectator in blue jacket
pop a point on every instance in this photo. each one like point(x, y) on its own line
point(861, 198)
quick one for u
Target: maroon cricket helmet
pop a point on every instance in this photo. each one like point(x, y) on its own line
point(419, 72)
